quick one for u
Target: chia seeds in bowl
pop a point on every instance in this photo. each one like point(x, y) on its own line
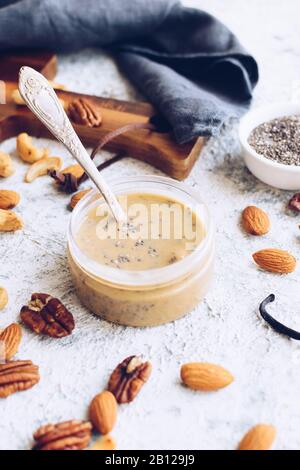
point(278, 140)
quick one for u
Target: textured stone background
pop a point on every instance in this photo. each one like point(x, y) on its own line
point(225, 329)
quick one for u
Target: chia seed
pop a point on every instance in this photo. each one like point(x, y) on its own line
point(152, 252)
point(123, 259)
point(278, 140)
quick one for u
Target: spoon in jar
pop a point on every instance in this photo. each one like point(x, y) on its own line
point(42, 100)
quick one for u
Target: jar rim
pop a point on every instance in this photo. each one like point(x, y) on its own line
point(156, 185)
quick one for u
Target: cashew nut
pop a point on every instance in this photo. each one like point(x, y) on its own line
point(10, 221)
point(105, 442)
point(75, 170)
point(57, 86)
point(6, 165)
point(41, 167)
point(3, 298)
point(17, 98)
point(27, 151)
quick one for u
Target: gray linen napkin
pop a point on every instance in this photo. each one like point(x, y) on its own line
point(184, 60)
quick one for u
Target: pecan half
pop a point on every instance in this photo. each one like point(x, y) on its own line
point(294, 203)
point(68, 435)
point(16, 376)
point(11, 337)
point(84, 113)
point(128, 378)
point(47, 315)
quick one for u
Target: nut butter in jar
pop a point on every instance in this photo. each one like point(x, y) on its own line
point(154, 270)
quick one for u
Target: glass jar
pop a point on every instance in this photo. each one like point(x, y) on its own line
point(150, 297)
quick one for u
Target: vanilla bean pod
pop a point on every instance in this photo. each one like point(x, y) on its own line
point(121, 130)
point(70, 184)
point(66, 181)
point(104, 165)
point(276, 325)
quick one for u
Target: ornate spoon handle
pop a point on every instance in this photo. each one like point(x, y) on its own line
point(41, 99)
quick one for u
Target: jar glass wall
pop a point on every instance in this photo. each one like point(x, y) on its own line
point(150, 297)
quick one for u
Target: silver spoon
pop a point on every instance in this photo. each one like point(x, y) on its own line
point(42, 100)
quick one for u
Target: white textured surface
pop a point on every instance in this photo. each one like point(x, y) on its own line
point(225, 329)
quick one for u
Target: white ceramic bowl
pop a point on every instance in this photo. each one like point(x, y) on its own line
point(272, 173)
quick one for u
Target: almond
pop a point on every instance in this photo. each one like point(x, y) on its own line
point(204, 376)
point(41, 167)
point(9, 221)
point(104, 443)
point(77, 197)
point(8, 199)
point(3, 298)
point(260, 437)
point(11, 336)
point(6, 165)
point(75, 170)
point(103, 412)
point(275, 261)
point(255, 221)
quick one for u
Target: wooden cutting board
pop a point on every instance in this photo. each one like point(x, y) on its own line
point(154, 147)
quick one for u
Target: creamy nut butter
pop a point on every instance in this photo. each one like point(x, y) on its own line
point(153, 269)
point(159, 232)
